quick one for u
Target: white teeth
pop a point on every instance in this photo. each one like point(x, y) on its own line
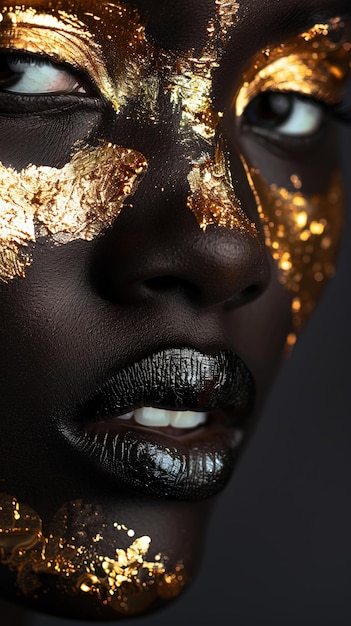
point(149, 416)
point(126, 416)
point(187, 419)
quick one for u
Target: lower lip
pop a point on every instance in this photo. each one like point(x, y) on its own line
point(166, 463)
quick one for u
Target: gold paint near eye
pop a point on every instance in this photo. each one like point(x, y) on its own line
point(212, 198)
point(315, 64)
point(301, 230)
point(104, 40)
point(73, 553)
point(78, 201)
point(190, 78)
point(303, 234)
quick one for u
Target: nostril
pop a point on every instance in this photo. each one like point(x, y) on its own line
point(172, 283)
point(250, 293)
point(244, 297)
point(162, 283)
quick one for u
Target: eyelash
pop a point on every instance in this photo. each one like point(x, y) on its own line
point(40, 61)
point(341, 111)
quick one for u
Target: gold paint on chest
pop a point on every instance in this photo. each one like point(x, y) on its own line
point(78, 201)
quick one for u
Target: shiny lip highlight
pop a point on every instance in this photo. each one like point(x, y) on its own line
point(186, 464)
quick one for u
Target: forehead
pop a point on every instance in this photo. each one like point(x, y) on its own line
point(184, 25)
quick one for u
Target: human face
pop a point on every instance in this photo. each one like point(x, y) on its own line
point(172, 206)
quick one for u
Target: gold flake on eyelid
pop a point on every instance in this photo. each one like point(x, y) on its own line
point(73, 554)
point(315, 64)
point(302, 231)
point(105, 40)
point(303, 234)
point(78, 201)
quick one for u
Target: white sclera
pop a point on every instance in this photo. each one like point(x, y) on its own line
point(39, 77)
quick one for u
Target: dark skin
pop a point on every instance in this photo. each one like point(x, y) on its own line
point(154, 280)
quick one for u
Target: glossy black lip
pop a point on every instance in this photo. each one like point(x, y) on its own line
point(188, 468)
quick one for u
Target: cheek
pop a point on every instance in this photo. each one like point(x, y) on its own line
point(77, 201)
point(303, 234)
point(301, 202)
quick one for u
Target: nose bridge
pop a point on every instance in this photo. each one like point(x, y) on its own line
point(187, 231)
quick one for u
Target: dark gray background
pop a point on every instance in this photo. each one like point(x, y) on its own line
point(279, 545)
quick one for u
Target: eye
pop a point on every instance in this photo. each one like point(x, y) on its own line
point(285, 113)
point(26, 74)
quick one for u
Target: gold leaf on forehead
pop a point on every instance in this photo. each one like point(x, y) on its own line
point(77, 201)
point(190, 80)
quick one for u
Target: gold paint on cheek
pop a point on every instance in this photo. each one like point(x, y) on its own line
point(78, 201)
point(212, 198)
point(303, 234)
point(73, 554)
point(311, 64)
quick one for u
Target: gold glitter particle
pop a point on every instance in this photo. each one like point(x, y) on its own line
point(296, 181)
point(77, 201)
point(291, 340)
point(126, 581)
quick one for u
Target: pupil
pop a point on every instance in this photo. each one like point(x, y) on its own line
point(5, 72)
point(270, 109)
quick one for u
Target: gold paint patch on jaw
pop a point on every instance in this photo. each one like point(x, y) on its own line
point(315, 64)
point(303, 234)
point(72, 553)
point(78, 201)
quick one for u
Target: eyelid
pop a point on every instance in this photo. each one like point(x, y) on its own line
point(62, 47)
point(41, 58)
point(310, 64)
point(290, 74)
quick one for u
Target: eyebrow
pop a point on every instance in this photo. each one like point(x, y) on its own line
point(284, 18)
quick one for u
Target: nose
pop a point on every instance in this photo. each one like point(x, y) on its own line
point(156, 248)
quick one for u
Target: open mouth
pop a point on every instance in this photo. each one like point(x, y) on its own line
point(170, 424)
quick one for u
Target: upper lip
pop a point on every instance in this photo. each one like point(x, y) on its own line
point(153, 462)
point(174, 378)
